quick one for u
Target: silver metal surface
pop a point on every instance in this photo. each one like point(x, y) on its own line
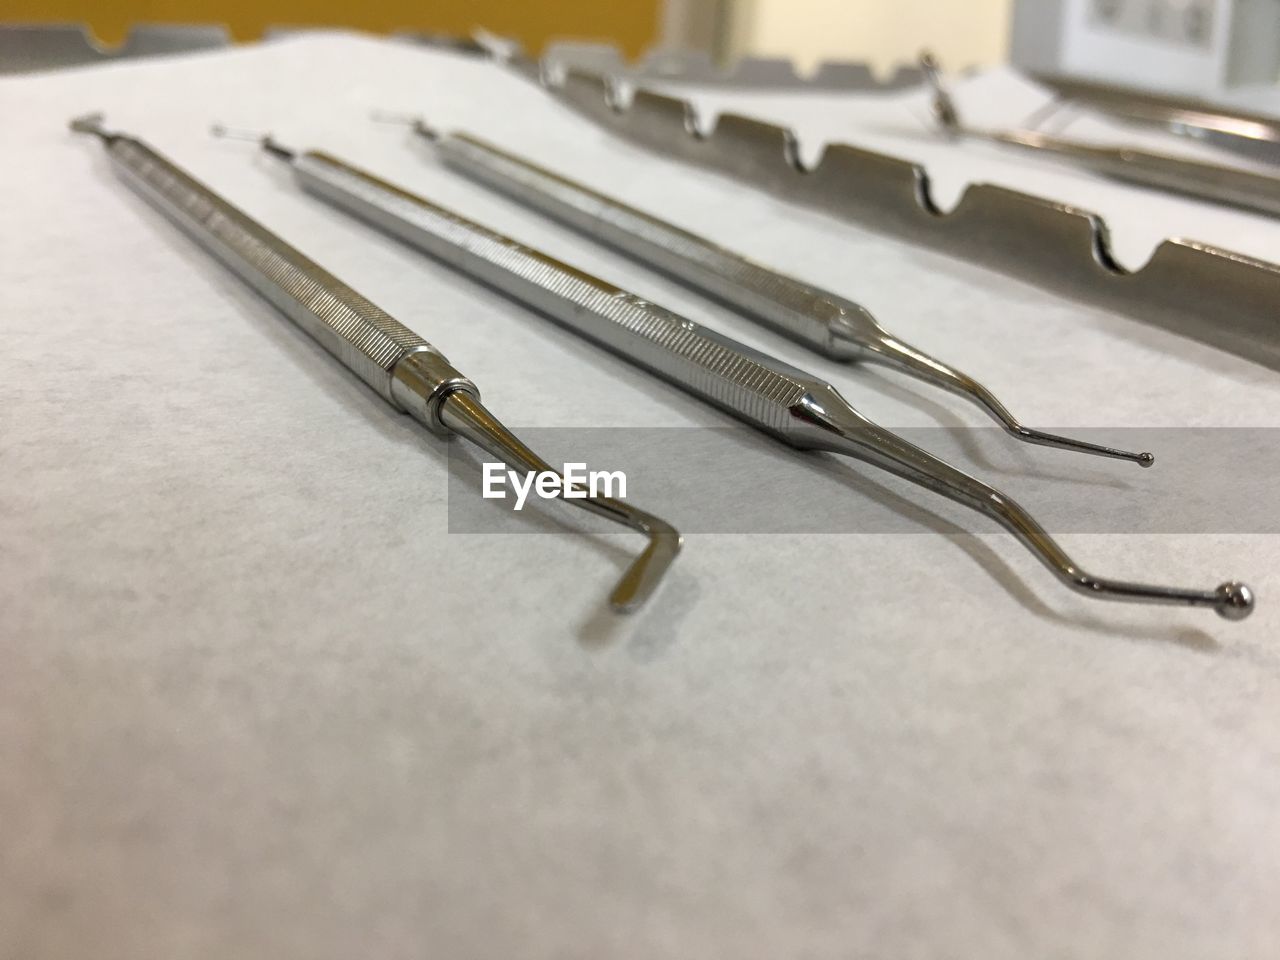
point(1205, 181)
point(1254, 134)
point(404, 369)
point(823, 321)
point(1218, 297)
point(797, 408)
point(697, 68)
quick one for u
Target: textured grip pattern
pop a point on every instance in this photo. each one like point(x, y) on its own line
point(787, 304)
point(365, 338)
point(750, 384)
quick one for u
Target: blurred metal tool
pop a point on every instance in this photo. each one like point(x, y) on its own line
point(1255, 135)
point(409, 373)
point(1204, 181)
point(821, 320)
point(796, 407)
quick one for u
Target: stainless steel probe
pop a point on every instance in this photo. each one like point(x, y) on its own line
point(821, 320)
point(1204, 181)
point(409, 373)
point(797, 408)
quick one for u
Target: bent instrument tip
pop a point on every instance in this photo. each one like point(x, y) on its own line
point(859, 330)
point(92, 123)
point(848, 432)
point(1043, 439)
point(641, 580)
point(465, 415)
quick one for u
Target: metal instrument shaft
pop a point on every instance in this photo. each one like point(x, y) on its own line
point(821, 320)
point(408, 372)
point(1214, 182)
point(797, 408)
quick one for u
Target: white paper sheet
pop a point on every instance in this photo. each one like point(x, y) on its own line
point(254, 701)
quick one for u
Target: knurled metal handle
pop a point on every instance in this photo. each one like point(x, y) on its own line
point(788, 305)
point(365, 338)
point(751, 385)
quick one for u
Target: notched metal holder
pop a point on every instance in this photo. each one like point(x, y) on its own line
point(746, 73)
point(1225, 299)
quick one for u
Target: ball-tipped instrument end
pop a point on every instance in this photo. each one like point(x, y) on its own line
point(1235, 600)
point(841, 429)
point(1043, 439)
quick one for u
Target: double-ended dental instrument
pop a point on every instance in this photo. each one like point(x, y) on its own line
point(1214, 182)
point(409, 373)
point(796, 407)
point(822, 321)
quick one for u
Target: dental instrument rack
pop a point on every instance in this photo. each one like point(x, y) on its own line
point(404, 369)
point(791, 405)
point(1204, 181)
point(823, 321)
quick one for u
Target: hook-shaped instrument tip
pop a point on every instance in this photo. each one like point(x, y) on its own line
point(466, 416)
point(642, 578)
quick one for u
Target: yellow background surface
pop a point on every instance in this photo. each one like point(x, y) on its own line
point(631, 24)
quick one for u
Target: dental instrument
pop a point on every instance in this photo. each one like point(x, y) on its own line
point(821, 320)
point(777, 398)
point(406, 371)
point(1204, 181)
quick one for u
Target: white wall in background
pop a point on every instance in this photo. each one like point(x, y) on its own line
point(883, 33)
